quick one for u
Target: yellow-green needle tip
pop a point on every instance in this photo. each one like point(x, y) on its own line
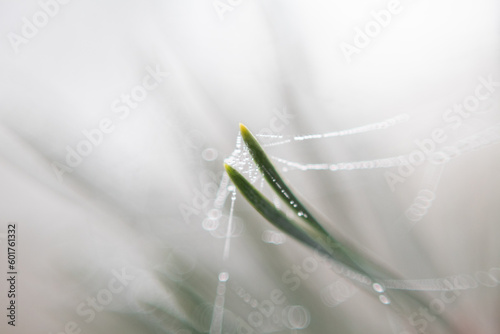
point(228, 168)
point(244, 130)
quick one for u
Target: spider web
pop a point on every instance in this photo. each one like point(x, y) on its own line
point(241, 160)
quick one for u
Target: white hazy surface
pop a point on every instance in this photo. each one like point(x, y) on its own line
point(122, 206)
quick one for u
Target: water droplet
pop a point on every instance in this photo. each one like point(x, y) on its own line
point(214, 214)
point(384, 300)
point(273, 237)
point(210, 224)
point(209, 154)
point(223, 276)
point(300, 213)
point(296, 317)
point(377, 287)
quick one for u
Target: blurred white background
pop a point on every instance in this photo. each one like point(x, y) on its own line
point(138, 199)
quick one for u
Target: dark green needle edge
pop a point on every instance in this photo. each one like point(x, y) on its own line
point(279, 219)
point(340, 251)
point(275, 180)
point(267, 209)
point(323, 241)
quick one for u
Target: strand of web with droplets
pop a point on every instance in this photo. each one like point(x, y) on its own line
point(388, 162)
point(241, 160)
point(225, 189)
point(283, 139)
